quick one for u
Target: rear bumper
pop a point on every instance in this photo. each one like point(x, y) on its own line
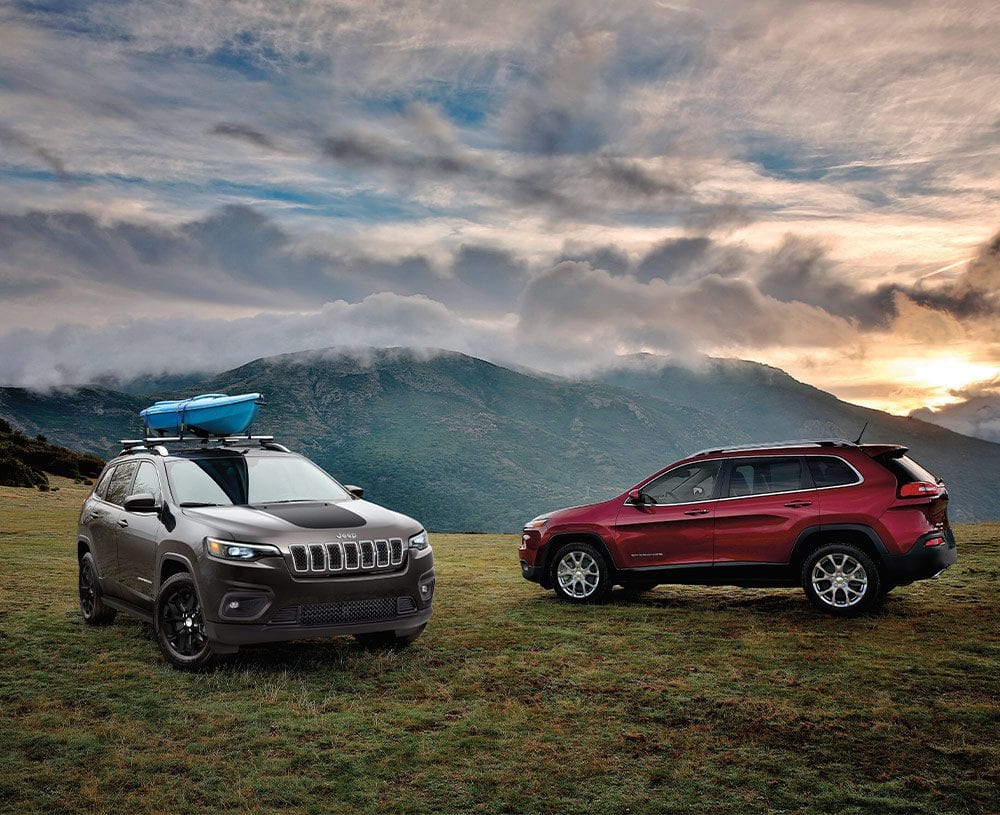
point(922, 561)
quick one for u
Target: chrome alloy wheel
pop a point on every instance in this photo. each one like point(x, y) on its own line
point(578, 574)
point(839, 580)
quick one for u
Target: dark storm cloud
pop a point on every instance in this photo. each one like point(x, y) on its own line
point(800, 270)
point(236, 255)
point(13, 138)
point(243, 133)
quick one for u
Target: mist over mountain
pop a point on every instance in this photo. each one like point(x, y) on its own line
point(467, 445)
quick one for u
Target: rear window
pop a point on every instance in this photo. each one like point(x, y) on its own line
point(907, 470)
point(830, 471)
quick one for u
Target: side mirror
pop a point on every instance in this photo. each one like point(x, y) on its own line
point(141, 502)
point(638, 498)
point(357, 492)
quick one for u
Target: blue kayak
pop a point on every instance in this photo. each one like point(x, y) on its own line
point(213, 414)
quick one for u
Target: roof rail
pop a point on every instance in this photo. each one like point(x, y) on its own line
point(777, 445)
point(158, 444)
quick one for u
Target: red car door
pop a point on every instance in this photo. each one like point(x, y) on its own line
point(671, 521)
point(768, 502)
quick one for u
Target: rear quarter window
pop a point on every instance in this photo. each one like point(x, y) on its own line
point(906, 470)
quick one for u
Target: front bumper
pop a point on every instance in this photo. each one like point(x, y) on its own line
point(262, 601)
point(236, 634)
point(923, 561)
point(531, 572)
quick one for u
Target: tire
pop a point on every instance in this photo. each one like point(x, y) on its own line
point(180, 625)
point(92, 606)
point(842, 580)
point(388, 639)
point(581, 574)
point(637, 588)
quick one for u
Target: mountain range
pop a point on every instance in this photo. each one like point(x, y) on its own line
point(466, 445)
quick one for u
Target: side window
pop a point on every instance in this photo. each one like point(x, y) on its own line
point(690, 482)
point(120, 482)
point(146, 480)
point(765, 476)
point(102, 486)
point(828, 471)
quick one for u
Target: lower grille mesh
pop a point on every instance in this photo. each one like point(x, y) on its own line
point(346, 613)
point(353, 611)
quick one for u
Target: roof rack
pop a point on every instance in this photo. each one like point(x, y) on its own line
point(777, 445)
point(158, 444)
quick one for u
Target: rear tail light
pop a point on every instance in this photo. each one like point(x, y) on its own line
point(918, 489)
point(934, 542)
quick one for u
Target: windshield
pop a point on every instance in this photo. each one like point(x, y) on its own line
point(226, 480)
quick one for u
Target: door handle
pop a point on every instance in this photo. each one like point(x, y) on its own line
point(797, 504)
point(123, 523)
point(697, 512)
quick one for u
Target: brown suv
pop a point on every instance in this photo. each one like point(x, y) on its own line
point(241, 541)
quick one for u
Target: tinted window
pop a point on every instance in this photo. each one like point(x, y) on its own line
point(121, 480)
point(765, 476)
point(691, 482)
point(828, 471)
point(907, 470)
point(146, 480)
point(102, 485)
point(227, 480)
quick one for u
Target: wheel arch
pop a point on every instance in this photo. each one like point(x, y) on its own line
point(864, 537)
point(171, 564)
point(562, 538)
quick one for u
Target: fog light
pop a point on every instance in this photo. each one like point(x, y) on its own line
point(427, 588)
point(244, 606)
point(934, 542)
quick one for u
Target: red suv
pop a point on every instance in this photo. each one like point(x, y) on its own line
point(847, 522)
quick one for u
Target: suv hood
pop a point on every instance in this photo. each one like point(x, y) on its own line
point(271, 523)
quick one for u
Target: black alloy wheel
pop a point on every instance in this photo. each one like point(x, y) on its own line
point(180, 625)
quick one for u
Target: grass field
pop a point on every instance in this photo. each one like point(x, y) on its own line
point(690, 700)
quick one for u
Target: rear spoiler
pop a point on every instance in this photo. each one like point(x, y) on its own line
point(890, 450)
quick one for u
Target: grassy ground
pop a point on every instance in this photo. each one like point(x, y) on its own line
point(690, 700)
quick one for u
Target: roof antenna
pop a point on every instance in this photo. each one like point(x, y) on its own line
point(863, 429)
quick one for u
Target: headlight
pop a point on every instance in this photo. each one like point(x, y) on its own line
point(537, 523)
point(229, 550)
point(419, 541)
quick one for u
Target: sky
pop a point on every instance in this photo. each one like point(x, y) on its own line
point(190, 184)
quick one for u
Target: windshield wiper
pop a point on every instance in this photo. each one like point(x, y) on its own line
point(188, 504)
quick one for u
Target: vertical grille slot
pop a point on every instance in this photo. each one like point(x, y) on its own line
point(352, 557)
point(381, 553)
point(317, 557)
point(300, 560)
point(396, 549)
point(367, 555)
point(335, 552)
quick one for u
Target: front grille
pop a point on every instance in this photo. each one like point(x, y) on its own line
point(346, 613)
point(338, 557)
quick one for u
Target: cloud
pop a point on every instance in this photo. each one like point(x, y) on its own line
point(622, 312)
point(65, 355)
point(978, 414)
point(11, 137)
point(244, 133)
